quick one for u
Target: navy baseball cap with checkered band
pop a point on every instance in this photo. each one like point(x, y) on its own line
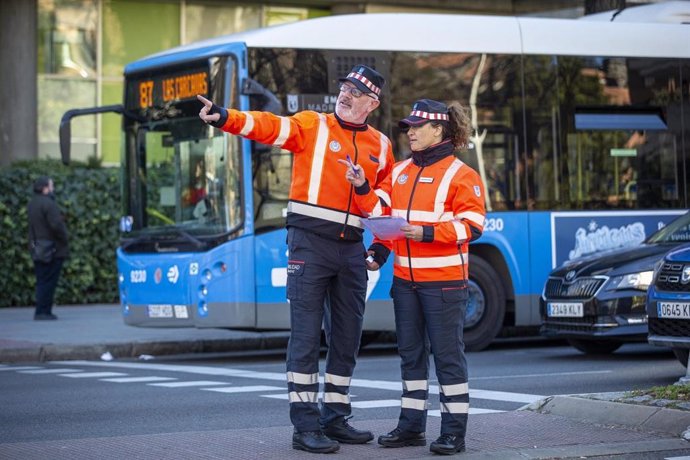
point(366, 79)
point(424, 111)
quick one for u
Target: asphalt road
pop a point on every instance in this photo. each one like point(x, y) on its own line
point(85, 399)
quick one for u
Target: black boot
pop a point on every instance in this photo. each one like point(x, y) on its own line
point(343, 432)
point(401, 438)
point(314, 441)
point(448, 444)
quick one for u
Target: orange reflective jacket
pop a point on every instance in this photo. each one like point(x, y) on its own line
point(446, 199)
point(320, 198)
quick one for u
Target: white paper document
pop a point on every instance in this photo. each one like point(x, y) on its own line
point(386, 227)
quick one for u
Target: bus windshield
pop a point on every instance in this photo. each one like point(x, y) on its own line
point(187, 181)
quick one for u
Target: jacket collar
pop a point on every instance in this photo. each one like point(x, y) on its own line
point(433, 153)
point(350, 126)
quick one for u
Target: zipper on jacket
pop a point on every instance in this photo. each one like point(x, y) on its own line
point(352, 187)
point(409, 208)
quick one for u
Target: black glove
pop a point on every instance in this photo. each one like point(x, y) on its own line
point(223, 116)
point(381, 253)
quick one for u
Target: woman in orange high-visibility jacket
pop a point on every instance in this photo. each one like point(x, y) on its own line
point(441, 198)
point(326, 253)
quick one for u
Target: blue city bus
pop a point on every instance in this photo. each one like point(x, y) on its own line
point(580, 135)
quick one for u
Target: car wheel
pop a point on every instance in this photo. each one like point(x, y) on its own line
point(595, 347)
point(485, 307)
point(682, 355)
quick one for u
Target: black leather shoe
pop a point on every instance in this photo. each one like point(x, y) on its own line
point(448, 444)
point(314, 441)
point(343, 432)
point(44, 316)
point(401, 438)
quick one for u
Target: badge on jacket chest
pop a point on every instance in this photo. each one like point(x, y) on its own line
point(426, 180)
point(334, 146)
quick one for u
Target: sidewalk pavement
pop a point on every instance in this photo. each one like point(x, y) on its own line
point(557, 427)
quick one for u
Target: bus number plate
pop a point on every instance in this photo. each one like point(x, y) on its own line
point(160, 311)
point(674, 310)
point(565, 310)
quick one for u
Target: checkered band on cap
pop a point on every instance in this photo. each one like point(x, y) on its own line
point(358, 76)
point(429, 116)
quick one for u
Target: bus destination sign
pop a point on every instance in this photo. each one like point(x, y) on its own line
point(161, 90)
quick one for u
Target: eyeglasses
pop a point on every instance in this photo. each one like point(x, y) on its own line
point(354, 91)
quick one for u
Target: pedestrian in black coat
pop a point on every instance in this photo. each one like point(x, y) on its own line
point(46, 223)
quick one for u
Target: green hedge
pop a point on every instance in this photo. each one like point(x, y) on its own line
point(90, 199)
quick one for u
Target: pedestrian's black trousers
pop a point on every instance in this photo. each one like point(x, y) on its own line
point(437, 313)
point(47, 275)
point(319, 267)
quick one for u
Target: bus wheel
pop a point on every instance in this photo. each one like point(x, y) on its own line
point(595, 347)
point(682, 355)
point(485, 307)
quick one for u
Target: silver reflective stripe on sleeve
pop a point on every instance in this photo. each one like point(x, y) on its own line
point(248, 124)
point(284, 132)
point(411, 403)
point(414, 385)
point(453, 390)
point(302, 379)
point(337, 380)
point(473, 216)
point(302, 396)
point(455, 408)
point(460, 231)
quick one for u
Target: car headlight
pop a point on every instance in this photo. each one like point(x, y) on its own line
point(640, 281)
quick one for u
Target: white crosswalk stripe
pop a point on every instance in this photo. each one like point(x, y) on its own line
point(138, 379)
point(94, 375)
point(246, 389)
point(193, 383)
point(50, 371)
point(281, 391)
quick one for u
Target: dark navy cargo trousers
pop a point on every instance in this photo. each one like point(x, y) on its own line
point(323, 271)
point(431, 315)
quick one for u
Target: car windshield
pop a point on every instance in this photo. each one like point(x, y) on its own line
point(677, 231)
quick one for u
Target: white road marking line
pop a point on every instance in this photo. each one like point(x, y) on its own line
point(247, 389)
point(18, 368)
point(375, 404)
point(50, 371)
point(685, 457)
point(284, 396)
point(473, 411)
point(195, 383)
point(138, 379)
point(504, 396)
point(556, 374)
point(85, 375)
point(279, 376)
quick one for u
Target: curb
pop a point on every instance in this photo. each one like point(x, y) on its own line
point(66, 352)
point(647, 418)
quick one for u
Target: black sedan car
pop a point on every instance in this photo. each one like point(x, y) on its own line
point(598, 302)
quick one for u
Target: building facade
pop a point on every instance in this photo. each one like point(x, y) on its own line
point(63, 54)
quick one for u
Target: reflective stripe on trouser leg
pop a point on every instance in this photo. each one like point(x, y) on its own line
point(309, 272)
point(414, 356)
point(444, 311)
point(345, 303)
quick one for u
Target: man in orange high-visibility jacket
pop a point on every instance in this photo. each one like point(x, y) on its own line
point(441, 198)
point(326, 254)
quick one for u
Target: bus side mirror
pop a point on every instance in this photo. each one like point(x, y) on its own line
point(65, 137)
point(269, 103)
point(66, 130)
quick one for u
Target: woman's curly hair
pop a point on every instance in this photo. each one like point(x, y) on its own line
point(458, 128)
